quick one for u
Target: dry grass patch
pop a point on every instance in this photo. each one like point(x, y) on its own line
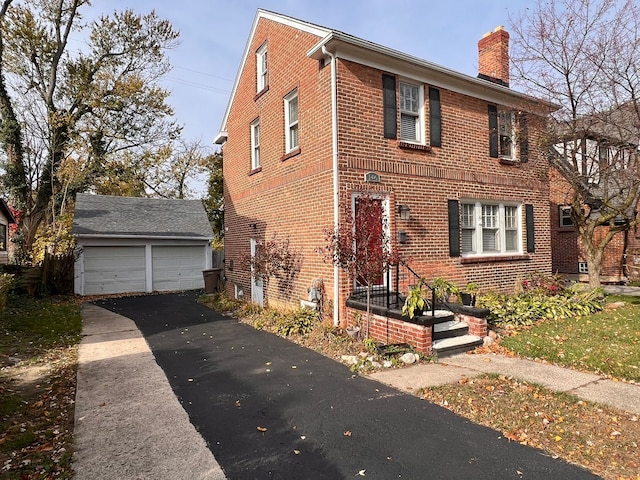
point(601, 439)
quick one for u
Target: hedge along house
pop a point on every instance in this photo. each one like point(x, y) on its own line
point(318, 117)
point(129, 245)
point(6, 219)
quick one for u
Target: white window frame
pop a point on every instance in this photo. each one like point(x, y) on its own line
point(583, 267)
point(417, 114)
point(564, 217)
point(262, 71)
point(507, 131)
point(478, 222)
point(255, 145)
point(291, 126)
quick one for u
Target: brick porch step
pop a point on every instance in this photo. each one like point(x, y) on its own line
point(450, 328)
point(453, 345)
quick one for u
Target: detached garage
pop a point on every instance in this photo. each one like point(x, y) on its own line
point(129, 245)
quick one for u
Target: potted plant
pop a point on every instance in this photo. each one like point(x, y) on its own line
point(415, 303)
point(468, 296)
point(353, 329)
point(444, 289)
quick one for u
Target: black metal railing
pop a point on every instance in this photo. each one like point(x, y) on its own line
point(398, 279)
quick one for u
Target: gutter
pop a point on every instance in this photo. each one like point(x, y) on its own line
point(336, 188)
point(140, 237)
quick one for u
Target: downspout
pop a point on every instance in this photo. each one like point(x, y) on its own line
point(336, 190)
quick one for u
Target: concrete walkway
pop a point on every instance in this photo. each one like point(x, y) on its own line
point(128, 422)
point(586, 386)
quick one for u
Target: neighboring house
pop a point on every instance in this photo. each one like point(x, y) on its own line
point(6, 219)
point(127, 244)
point(602, 164)
point(318, 117)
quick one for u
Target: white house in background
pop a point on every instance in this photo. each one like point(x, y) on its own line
point(6, 219)
point(128, 245)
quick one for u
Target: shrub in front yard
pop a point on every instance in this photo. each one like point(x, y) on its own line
point(6, 283)
point(538, 302)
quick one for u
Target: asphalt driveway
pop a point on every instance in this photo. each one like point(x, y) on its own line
point(269, 409)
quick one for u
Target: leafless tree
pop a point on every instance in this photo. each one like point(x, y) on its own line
point(584, 56)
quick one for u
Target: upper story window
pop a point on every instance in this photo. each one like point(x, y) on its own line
point(261, 68)
point(255, 145)
point(507, 135)
point(490, 228)
point(564, 216)
point(411, 101)
point(291, 121)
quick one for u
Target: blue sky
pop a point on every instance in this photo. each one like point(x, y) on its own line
point(213, 35)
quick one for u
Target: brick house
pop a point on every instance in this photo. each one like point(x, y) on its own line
point(317, 117)
point(599, 158)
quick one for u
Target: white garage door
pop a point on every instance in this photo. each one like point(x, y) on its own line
point(178, 268)
point(114, 270)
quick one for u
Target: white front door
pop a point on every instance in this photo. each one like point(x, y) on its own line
point(257, 290)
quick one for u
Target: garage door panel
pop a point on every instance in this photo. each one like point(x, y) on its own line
point(178, 268)
point(114, 270)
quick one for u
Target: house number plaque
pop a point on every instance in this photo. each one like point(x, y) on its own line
point(371, 177)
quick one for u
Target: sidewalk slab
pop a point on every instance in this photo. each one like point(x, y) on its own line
point(624, 396)
point(128, 422)
point(424, 375)
point(550, 376)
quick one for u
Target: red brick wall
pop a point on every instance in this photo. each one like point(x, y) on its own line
point(567, 248)
point(290, 197)
point(391, 330)
point(425, 181)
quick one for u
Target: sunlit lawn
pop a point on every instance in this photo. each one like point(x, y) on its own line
point(607, 343)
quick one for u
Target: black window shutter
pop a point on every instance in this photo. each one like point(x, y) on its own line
point(531, 244)
point(493, 131)
point(523, 139)
point(454, 228)
point(435, 118)
point(390, 108)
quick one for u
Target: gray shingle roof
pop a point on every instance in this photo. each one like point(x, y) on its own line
point(139, 217)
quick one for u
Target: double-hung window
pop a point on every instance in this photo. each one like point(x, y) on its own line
point(507, 134)
point(564, 215)
point(291, 121)
point(255, 145)
point(411, 101)
point(490, 228)
point(262, 80)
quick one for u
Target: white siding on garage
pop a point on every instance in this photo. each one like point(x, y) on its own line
point(114, 270)
point(178, 267)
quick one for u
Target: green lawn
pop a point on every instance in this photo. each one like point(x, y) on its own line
point(31, 326)
point(607, 343)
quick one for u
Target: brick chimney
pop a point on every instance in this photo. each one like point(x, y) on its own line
point(493, 56)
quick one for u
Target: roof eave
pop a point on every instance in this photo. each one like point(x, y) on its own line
point(141, 237)
point(357, 49)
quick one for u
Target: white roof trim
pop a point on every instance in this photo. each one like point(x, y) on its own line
point(383, 58)
point(276, 17)
point(146, 237)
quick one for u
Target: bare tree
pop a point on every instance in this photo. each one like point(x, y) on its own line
point(584, 56)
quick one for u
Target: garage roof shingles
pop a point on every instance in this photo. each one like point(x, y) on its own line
point(102, 215)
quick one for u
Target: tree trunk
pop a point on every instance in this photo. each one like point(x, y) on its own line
point(366, 334)
point(594, 265)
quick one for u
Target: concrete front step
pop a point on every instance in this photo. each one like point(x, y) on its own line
point(450, 328)
point(453, 345)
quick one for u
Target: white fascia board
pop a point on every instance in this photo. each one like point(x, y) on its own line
point(140, 237)
point(386, 59)
point(284, 20)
